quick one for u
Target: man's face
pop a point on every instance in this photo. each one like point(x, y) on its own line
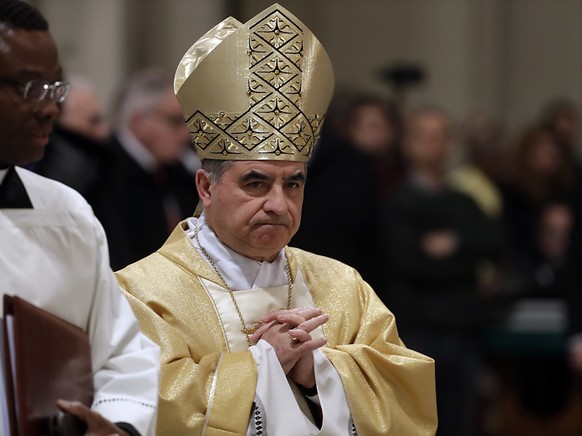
point(162, 130)
point(371, 130)
point(255, 208)
point(25, 125)
point(428, 140)
point(82, 113)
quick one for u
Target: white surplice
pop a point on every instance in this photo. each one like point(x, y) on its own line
point(259, 288)
point(55, 256)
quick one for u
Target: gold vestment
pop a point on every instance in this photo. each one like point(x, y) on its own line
point(390, 389)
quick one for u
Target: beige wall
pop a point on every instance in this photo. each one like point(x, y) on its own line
point(507, 56)
point(108, 39)
point(543, 55)
point(90, 36)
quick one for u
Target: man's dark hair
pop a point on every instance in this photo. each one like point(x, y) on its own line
point(20, 15)
point(215, 168)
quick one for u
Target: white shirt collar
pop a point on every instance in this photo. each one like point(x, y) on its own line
point(239, 272)
point(137, 150)
point(3, 174)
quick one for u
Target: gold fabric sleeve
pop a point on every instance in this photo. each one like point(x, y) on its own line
point(390, 389)
point(203, 388)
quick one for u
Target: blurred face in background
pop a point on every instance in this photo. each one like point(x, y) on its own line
point(565, 125)
point(162, 129)
point(544, 157)
point(483, 139)
point(428, 140)
point(554, 230)
point(82, 113)
point(370, 129)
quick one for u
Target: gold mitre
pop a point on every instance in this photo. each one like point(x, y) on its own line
point(255, 91)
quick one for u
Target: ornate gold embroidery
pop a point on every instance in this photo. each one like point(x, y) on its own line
point(275, 125)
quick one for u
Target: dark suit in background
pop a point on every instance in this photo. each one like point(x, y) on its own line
point(74, 159)
point(138, 207)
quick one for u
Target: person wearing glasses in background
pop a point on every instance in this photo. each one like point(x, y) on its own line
point(53, 251)
point(146, 189)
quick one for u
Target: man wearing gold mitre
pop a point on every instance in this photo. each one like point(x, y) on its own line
point(258, 338)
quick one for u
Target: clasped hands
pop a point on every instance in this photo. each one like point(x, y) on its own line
point(288, 332)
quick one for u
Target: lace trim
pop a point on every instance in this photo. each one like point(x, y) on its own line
point(353, 430)
point(258, 425)
point(125, 400)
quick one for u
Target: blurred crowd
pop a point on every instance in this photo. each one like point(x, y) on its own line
point(471, 237)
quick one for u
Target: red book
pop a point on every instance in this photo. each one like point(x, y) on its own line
point(46, 358)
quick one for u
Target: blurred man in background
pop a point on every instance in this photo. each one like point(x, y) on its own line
point(76, 153)
point(434, 239)
point(146, 190)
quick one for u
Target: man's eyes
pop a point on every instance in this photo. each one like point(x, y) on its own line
point(255, 184)
point(261, 184)
point(294, 185)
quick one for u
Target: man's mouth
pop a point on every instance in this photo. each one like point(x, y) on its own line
point(40, 138)
point(271, 224)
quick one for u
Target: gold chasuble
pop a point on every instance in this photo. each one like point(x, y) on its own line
point(259, 91)
point(205, 389)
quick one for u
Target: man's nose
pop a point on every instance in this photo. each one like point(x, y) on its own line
point(47, 108)
point(276, 200)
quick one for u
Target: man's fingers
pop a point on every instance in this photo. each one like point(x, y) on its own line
point(256, 336)
point(297, 335)
point(312, 345)
point(308, 312)
point(74, 408)
point(275, 313)
point(313, 323)
point(302, 341)
point(305, 312)
point(290, 318)
point(97, 425)
point(299, 317)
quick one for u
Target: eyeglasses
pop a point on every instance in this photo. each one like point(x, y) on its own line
point(38, 90)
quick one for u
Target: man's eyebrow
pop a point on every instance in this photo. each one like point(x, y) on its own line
point(298, 177)
point(253, 175)
point(28, 74)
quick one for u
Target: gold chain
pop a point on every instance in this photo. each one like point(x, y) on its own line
point(247, 331)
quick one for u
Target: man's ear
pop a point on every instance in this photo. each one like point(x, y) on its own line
point(138, 126)
point(203, 184)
